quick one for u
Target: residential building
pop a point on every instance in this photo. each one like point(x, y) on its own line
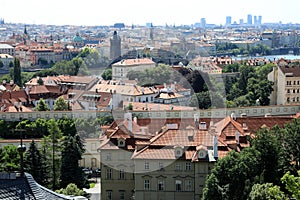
point(286, 87)
point(164, 159)
point(7, 49)
point(6, 59)
point(121, 68)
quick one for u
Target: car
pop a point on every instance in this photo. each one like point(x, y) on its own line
point(87, 171)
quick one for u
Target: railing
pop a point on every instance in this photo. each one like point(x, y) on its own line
point(209, 113)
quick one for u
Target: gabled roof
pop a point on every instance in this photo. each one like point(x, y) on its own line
point(228, 123)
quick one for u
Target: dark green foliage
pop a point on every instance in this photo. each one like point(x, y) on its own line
point(42, 106)
point(107, 74)
point(17, 72)
point(250, 86)
point(70, 170)
point(45, 72)
point(1, 64)
point(291, 137)
point(233, 175)
point(274, 152)
point(61, 104)
point(35, 164)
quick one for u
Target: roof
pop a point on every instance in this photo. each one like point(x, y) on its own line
point(132, 62)
point(26, 188)
point(295, 70)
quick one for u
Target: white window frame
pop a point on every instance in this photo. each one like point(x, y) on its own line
point(146, 184)
point(109, 174)
point(122, 174)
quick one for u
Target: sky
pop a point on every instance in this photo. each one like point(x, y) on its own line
point(139, 12)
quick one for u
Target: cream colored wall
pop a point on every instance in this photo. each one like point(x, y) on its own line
point(281, 88)
point(169, 174)
point(119, 160)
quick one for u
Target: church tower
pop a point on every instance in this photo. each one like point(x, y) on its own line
point(26, 38)
point(115, 46)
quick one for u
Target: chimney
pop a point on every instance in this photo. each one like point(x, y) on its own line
point(172, 87)
point(202, 126)
point(237, 137)
point(135, 120)
point(196, 121)
point(215, 147)
point(128, 118)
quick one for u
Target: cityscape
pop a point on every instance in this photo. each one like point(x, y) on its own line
point(150, 111)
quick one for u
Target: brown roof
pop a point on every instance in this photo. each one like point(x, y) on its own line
point(294, 70)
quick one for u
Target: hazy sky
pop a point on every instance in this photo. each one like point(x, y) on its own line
point(159, 12)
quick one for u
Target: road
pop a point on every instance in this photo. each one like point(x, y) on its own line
point(95, 191)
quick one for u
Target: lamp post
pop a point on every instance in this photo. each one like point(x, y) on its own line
point(21, 150)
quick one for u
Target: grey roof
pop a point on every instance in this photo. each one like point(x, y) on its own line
point(26, 188)
point(6, 46)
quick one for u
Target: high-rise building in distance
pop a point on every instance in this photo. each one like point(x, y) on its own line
point(249, 19)
point(203, 22)
point(228, 20)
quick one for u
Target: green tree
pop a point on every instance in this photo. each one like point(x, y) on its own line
point(9, 158)
point(234, 182)
point(35, 164)
point(291, 137)
point(71, 154)
point(53, 147)
point(292, 184)
point(17, 72)
point(107, 74)
point(273, 161)
point(71, 189)
point(42, 106)
point(201, 100)
point(266, 191)
point(61, 104)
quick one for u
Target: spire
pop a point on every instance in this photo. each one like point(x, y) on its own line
point(25, 30)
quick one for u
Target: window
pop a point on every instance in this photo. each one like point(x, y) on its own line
point(93, 147)
point(93, 162)
point(288, 90)
point(108, 195)
point(108, 174)
point(188, 185)
point(178, 185)
point(122, 174)
point(160, 185)
point(121, 143)
point(160, 165)
point(147, 166)
point(146, 184)
point(188, 166)
point(122, 195)
point(178, 167)
point(108, 156)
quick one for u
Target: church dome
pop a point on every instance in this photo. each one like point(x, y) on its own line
point(77, 38)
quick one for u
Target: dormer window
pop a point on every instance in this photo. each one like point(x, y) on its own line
point(121, 142)
point(202, 153)
point(178, 150)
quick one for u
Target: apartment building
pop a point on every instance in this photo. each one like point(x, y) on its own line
point(164, 159)
point(286, 78)
point(121, 68)
point(7, 49)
